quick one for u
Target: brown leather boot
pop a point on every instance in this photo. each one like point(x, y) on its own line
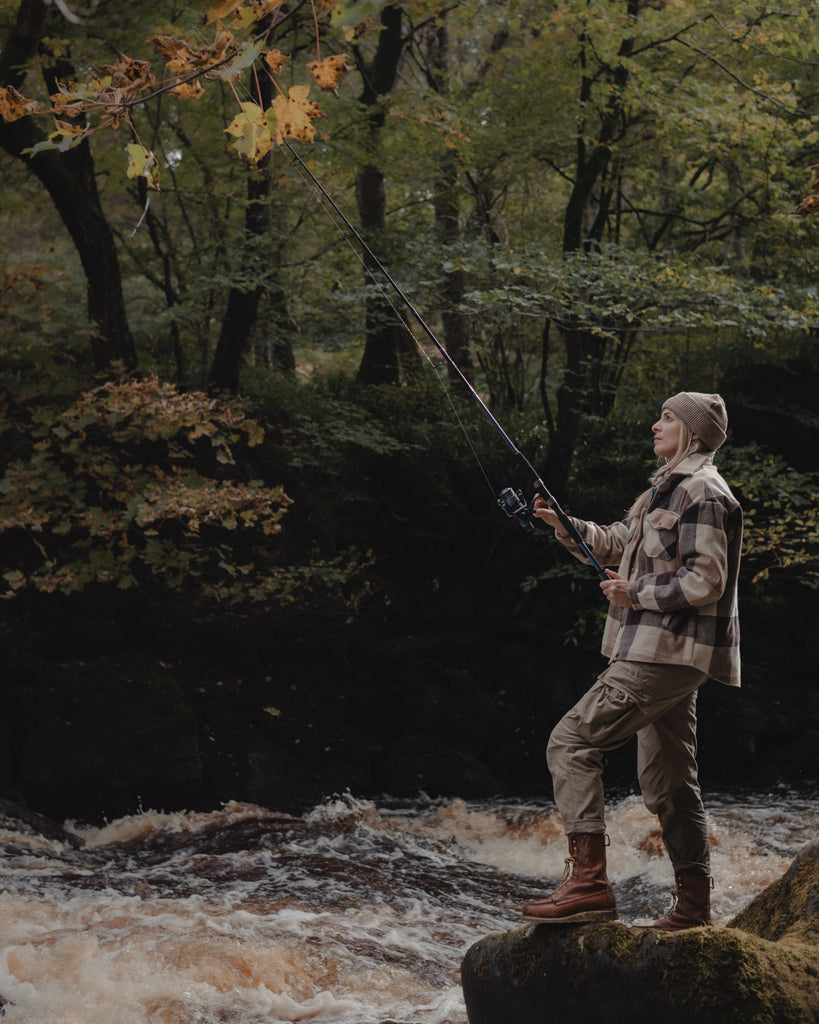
point(585, 893)
point(691, 907)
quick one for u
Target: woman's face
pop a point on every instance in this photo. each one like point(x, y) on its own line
point(667, 434)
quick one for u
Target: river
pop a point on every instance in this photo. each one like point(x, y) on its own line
point(358, 912)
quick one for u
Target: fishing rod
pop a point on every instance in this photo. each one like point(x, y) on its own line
point(511, 501)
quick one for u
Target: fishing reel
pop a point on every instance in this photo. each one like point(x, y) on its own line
point(513, 504)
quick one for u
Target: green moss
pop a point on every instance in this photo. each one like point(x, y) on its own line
point(788, 910)
point(703, 975)
point(706, 974)
point(617, 941)
point(747, 979)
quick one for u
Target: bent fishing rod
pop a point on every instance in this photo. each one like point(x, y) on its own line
point(511, 501)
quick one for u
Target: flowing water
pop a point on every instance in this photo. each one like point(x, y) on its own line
point(358, 912)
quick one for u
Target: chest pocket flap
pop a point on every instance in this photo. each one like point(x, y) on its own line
point(660, 535)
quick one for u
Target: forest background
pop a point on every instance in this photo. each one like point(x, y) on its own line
point(251, 547)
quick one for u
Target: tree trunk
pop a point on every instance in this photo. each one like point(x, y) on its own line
point(385, 344)
point(447, 220)
point(243, 303)
point(379, 363)
point(242, 308)
point(584, 223)
point(71, 183)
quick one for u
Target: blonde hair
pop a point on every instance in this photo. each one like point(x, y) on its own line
point(687, 444)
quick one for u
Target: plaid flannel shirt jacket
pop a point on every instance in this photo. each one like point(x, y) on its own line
point(681, 556)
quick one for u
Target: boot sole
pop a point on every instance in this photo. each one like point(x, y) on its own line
point(581, 918)
point(660, 928)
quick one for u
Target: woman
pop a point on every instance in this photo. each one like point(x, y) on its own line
point(672, 623)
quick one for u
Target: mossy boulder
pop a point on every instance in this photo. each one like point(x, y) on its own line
point(763, 968)
point(788, 910)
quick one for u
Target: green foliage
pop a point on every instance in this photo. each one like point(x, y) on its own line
point(136, 483)
point(43, 333)
point(321, 442)
point(699, 263)
point(781, 514)
point(715, 145)
point(613, 289)
point(780, 506)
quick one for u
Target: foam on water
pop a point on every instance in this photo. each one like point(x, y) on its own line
point(356, 913)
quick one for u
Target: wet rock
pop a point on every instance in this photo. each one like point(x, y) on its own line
point(24, 821)
point(788, 910)
point(763, 967)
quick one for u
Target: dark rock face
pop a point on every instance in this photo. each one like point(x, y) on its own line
point(761, 969)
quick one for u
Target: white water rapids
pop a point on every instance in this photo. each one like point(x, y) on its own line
point(356, 913)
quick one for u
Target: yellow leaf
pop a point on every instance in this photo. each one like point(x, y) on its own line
point(188, 90)
point(294, 114)
point(251, 129)
point(142, 164)
point(329, 72)
point(13, 105)
point(275, 60)
point(66, 130)
point(221, 9)
point(243, 12)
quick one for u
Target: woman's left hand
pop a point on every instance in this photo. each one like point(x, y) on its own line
point(616, 589)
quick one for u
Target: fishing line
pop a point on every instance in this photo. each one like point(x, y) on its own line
point(510, 501)
point(338, 219)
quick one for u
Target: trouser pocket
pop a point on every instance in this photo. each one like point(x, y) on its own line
point(607, 716)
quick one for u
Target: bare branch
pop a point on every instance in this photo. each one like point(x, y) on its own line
point(75, 17)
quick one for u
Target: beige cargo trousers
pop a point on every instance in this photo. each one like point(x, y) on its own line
point(658, 704)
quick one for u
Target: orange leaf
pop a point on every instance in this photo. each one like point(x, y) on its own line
point(806, 207)
point(329, 72)
point(181, 58)
point(275, 60)
point(221, 9)
point(188, 90)
point(130, 75)
point(13, 105)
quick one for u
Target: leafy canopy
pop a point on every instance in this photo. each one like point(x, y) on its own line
point(79, 109)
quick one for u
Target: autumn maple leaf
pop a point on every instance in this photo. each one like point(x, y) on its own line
point(252, 131)
point(808, 205)
point(130, 75)
point(294, 114)
point(276, 60)
point(182, 58)
point(142, 164)
point(13, 105)
point(241, 12)
point(329, 72)
point(188, 90)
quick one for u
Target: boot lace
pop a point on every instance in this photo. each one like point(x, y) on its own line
point(568, 871)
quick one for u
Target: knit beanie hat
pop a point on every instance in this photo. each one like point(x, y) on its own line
point(704, 415)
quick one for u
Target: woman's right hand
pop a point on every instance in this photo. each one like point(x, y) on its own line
point(542, 510)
